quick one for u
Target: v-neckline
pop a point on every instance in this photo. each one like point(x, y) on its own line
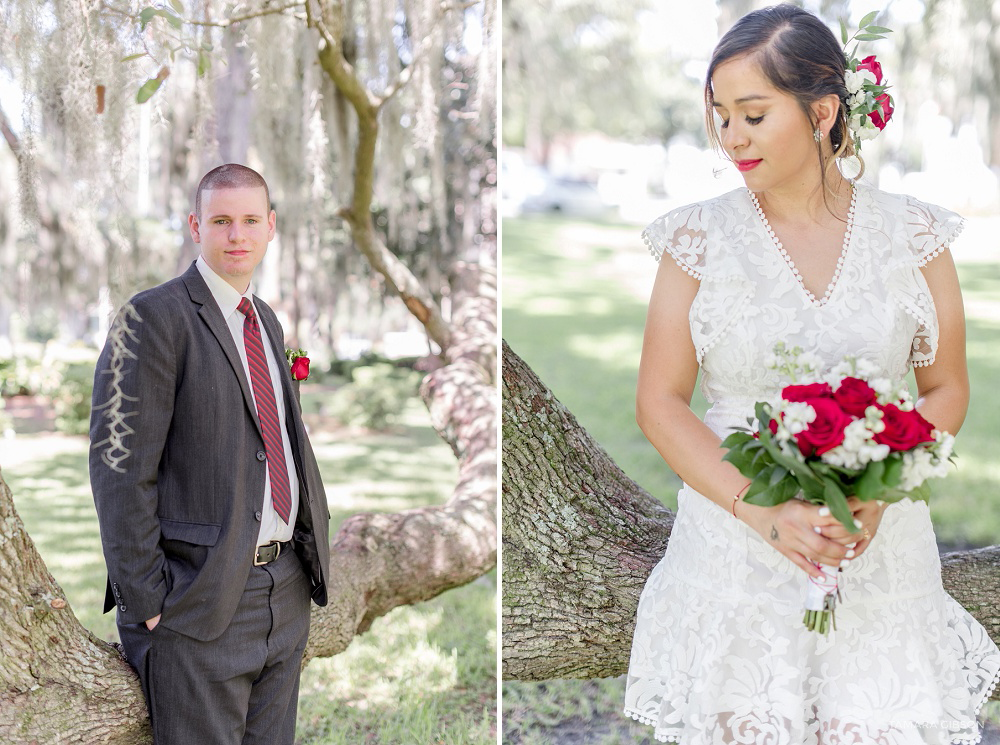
point(831, 287)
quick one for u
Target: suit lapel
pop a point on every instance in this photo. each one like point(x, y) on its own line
point(212, 316)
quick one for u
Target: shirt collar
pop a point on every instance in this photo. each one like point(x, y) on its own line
point(227, 298)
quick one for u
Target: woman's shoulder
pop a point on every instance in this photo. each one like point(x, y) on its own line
point(686, 232)
point(703, 209)
point(924, 228)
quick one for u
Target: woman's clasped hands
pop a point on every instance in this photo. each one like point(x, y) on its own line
point(806, 533)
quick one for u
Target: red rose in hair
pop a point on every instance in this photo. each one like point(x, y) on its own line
point(881, 116)
point(804, 393)
point(854, 396)
point(904, 430)
point(826, 431)
point(869, 63)
point(300, 368)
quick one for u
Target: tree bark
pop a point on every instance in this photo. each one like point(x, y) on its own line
point(580, 538)
point(58, 682)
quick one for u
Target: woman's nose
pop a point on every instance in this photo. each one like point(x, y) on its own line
point(734, 136)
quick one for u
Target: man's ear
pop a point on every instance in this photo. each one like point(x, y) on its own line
point(194, 227)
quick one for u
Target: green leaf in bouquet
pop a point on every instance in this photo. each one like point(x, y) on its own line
point(760, 492)
point(871, 484)
point(893, 471)
point(920, 494)
point(869, 37)
point(843, 31)
point(736, 439)
point(777, 475)
point(741, 456)
point(772, 486)
point(834, 498)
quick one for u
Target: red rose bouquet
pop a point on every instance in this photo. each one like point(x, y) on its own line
point(852, 432)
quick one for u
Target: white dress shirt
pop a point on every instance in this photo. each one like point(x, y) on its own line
point(272, 527)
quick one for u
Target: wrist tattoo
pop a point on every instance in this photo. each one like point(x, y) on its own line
point(774, 533)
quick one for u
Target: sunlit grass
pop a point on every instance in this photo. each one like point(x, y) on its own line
point(422, 675)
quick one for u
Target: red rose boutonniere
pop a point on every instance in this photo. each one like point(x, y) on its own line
point(298, 361)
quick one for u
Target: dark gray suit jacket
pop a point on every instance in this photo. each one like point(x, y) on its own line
point(177, 462)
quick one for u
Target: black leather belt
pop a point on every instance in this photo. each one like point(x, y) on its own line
point(270, 552)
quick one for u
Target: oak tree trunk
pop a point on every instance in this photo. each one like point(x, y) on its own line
point(580, 538)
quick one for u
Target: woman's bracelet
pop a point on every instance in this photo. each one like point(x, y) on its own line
point(736, 497)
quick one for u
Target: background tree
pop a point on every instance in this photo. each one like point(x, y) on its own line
point(374, 124)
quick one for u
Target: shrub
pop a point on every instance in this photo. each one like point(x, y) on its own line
point(376, 396)
point(70, 397)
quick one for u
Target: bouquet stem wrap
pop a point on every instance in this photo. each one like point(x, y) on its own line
point(821, 599)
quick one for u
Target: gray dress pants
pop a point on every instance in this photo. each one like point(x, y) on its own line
point(239, 689)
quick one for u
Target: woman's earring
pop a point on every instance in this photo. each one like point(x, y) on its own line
point(817, 134)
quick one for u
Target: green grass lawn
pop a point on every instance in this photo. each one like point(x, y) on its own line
point(574, 306)
point(423, 675)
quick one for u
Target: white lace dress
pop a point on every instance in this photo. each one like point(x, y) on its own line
point(719, 653)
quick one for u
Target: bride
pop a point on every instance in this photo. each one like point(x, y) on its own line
point(810, 258)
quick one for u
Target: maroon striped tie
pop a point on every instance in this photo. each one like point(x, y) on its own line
point(267, 412)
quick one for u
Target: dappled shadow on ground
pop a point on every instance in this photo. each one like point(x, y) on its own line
point(424, 674)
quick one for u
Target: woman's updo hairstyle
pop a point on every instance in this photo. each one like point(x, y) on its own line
point(798, 55)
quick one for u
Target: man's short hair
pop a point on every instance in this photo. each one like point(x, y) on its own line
point(230, 176)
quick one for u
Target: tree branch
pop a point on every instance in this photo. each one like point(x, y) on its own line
point(330, 22)
point(8, 134)
point(247, 16)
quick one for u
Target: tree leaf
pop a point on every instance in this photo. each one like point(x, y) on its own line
point(173, 20)
point(204, 63)
point(868, 19)
point(145, 16)
point(148, 89)
point(133, 57)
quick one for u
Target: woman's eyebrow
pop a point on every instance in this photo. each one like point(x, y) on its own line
point(744, 99)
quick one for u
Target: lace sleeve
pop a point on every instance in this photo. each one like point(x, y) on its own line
point(927, 230)
point(930, 229)
point(683, 234)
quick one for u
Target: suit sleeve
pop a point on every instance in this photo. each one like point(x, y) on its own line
point(133, 401)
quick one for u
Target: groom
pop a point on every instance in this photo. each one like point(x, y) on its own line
point(212, 511)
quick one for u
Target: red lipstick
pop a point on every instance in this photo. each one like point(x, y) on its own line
point(747, 165)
